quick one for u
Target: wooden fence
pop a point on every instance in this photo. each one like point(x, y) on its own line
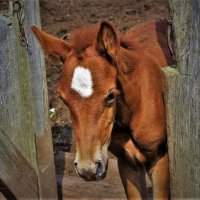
point(26, 153)
point(183, 101)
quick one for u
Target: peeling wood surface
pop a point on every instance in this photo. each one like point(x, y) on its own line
point(182, 95)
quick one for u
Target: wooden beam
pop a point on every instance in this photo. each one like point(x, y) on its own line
point(44, 146)
point(16, 99)
point(24, 101)
point(15, 172)
point(182, 86)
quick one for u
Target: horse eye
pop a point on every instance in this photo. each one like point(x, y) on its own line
point(110, 98)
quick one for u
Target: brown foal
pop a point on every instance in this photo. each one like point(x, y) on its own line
point(112, 84)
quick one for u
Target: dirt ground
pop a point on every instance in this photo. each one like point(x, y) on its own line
point(59, 17)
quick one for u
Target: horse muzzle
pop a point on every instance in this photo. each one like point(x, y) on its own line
point(91, 171)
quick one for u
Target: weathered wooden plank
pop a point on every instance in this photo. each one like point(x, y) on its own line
point(184, 101)
point(186, 20)
point(44, 146)
point(183, 104)
point(16, 172)
point(23, 99)
point(182, 90)
point(183, 127)
point(15, 95)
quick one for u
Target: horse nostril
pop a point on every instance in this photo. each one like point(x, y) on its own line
point(100, 169)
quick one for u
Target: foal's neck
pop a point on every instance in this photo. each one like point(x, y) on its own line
point(129, 87)
point(140, 82)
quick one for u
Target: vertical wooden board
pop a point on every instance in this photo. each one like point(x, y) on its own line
point(183, 96)
point(183, 126)
point(16, 117)
point(186, 20)
point(45, 156)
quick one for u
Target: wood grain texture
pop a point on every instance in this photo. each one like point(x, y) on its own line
point(182, 96)
point(15, 96)
point(186, 20)
point(44, 146)
point(16, 172)
point(23, 99)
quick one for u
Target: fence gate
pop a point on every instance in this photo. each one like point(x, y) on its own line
point(26, 154)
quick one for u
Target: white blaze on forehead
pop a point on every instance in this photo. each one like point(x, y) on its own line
point(82, 82)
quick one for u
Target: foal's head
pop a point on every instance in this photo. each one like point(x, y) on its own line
point(88, 88)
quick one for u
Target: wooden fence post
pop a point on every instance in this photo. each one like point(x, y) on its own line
point(26, 153)
point(182, 86)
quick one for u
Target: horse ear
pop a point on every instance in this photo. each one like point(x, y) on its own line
point(51, 45)
point(107, 40)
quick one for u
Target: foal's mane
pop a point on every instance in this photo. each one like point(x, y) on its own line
point(85, 36)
